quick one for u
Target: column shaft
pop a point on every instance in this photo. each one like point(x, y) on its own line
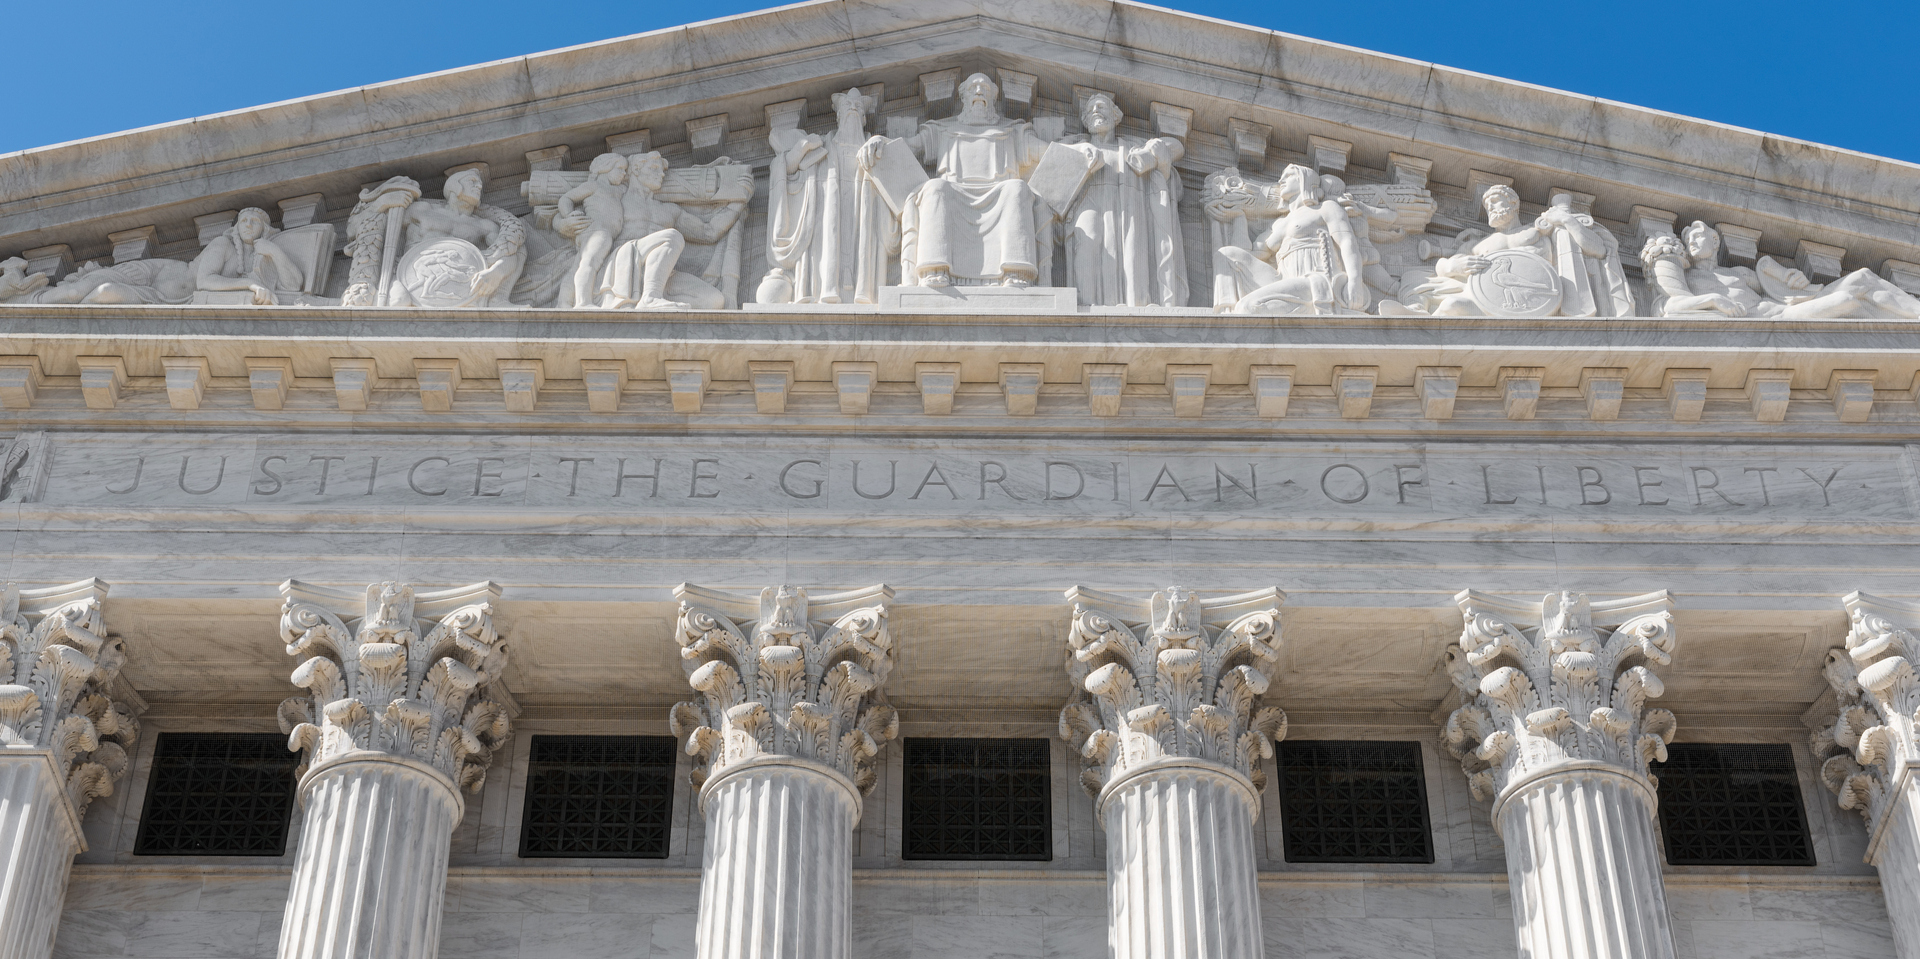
point(1898, 860)
point(1584, 867)
point(1181, 879)
point(776, 877)
point(372, 866)
point(37, 845)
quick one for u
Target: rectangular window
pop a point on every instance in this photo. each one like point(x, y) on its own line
point(218, 794)
point(608, 797)
point(979, 799)
point(1732, 806)
point(1353, 802)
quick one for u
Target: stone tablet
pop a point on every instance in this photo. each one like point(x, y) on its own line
point(440, 272)
point(897, 173)
point(1519, 284)
point(1060, 174)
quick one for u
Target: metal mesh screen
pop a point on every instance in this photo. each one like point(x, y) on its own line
point(1732, 806)
point(218, 794)
point(605, 797)
point(1353, 802)
point(978, 799)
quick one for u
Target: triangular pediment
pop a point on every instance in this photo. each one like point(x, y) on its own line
point(1234, 96)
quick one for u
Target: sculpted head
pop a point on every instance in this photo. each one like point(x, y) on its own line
point(252, 223)
point(1299, 186)
point(852, 107)
point(611, 167)
point(648, 169)
point(1703, 243)
point(1099, 114)
point(13, 266)
point(979, 99)
point(464, 188)
point(1502, 204)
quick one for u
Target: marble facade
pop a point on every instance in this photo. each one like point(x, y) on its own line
point(804, 382)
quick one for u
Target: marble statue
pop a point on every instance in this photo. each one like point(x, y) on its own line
point(1308, 263)
point(16, 282)
point(1122, 233)
point(246, 259)
point(1561, 264)
point(640, 273)
point(974, 219)
point(1688, 280)
point(828, 233)
point(599, 201)
point(451, 252)
point(135, 282)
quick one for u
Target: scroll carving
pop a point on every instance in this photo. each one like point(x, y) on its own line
point(414, 676)
point(1173, 677)
point(57, 669)
point(786, 676)
point(1563, 682)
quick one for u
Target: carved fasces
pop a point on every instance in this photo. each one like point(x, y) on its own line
point(414, 677)
point(1176, 676)
point(1562, 682)
point(57, 665)
point(1868, 743)
point(786, 676)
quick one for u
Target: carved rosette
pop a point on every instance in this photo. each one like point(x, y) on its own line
point(415, 677)
point(786, 677)
point(1174, 677)
point(57, 665)
point(1869, 744)
point(1563, 683)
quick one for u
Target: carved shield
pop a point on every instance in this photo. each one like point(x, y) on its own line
point(1519, 284)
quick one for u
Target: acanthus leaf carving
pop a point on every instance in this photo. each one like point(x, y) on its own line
point(1552, 684)
point(774, 680)
point(1868, 744)
point(57, 665)
point(1174, 676)
point(415, 676)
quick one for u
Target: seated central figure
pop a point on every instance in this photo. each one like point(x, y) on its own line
point(975, 218)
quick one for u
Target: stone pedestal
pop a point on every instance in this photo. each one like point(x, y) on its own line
point(1181, 877)
point(39, 835)
point(372, 866)
point(776, 879)
point(1584, 866)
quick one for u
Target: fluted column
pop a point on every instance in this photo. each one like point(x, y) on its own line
point(1163, 712)
point(1554, 727)
point(403, 712)
point(1870, 749)
point(63, 742)
point(790, 719)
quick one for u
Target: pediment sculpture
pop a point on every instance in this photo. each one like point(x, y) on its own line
point(961, 192)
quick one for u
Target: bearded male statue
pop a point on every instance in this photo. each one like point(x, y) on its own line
point(974, 220)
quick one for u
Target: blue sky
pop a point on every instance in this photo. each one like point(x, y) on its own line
point(1842, 72)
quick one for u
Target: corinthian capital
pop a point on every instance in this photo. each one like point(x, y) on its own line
point(57, 665)
point(1869, 744)
point(1563, 682)
point(1173, 676)
point(782, 675)
point(414, 675)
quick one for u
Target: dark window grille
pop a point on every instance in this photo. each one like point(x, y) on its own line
point(606, 797)
point(1732, 806)
point(218, 794)
point(1353, 802)
point(978, 799)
